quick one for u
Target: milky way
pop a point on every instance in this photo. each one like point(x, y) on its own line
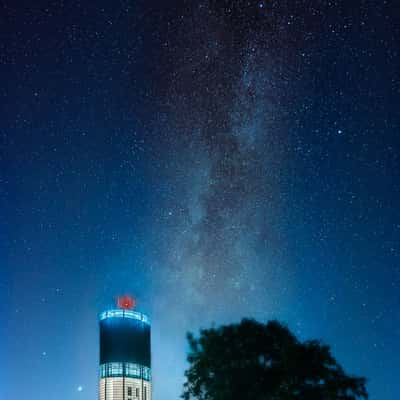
point(223, 98)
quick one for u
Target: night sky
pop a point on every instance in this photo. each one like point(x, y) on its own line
point(217, 160)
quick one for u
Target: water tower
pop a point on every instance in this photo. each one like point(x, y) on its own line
point(125, 354)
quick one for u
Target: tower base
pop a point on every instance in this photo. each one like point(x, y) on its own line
point(124, 388)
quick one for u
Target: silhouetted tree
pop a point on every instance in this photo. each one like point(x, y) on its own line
point(259, 361)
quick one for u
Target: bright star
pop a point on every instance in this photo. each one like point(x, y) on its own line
point(79, 389)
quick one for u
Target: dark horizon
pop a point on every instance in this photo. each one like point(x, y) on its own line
point(217, 160)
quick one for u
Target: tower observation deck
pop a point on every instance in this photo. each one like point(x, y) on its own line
point(125, 353)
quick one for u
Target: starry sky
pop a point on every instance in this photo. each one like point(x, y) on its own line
point(217, 160)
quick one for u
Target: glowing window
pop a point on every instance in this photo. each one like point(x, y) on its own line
point(124, 314)
point(132, 370)
point(115, 369)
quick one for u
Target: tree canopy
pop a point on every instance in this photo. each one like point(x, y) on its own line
point(256, 361)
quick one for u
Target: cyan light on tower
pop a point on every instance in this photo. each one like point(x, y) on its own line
point(125, 353)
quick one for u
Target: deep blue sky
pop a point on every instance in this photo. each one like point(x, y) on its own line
point(216, 159)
